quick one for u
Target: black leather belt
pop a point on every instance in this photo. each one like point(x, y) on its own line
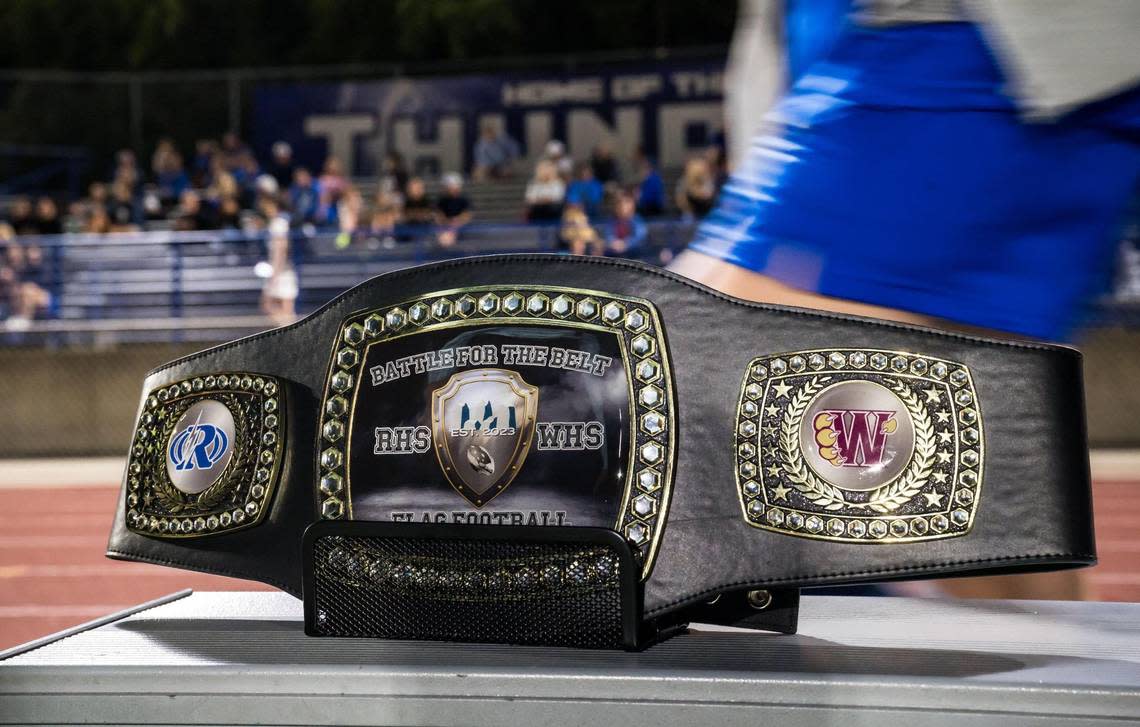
point(733, 445)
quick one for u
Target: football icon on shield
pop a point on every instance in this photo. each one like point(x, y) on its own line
point(483, 421)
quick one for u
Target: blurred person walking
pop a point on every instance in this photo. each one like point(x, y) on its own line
point(957, 165)
point(279, 294)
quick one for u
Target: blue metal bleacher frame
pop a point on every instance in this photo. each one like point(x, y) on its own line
point(187, 286)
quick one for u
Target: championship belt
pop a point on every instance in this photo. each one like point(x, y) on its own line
point(519, 448)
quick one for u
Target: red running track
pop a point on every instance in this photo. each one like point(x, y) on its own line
point(53, 573)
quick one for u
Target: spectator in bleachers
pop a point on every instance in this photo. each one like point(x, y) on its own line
point(349, 210)
point(48, 221)
point(555, 153)
point(576, 235)
point(650, 186)
point(304, 197)
point(82, 211)
point(169, 176)
point(495, 154)
point(418, 209)
point(222, 183)
point(393, 171)
point(246, 175)
point(97, 221)
point(331, 184)
point(97, 196)
point(696, 189)
point(126, 170)
point(7, 274)
point(383, 229)
point(205, 152)
point(229, 213)
point(454, 210)
point(192, 214)
point(281, 166)
point(545, 193)
point(233, 151)
point(586, 191)
point(90, 213)
point(23, 276)
point(121, 209)
point(75, 217)
point(604, 165)
point(626, 233)
point(21, 216)
point(389, 194)
point(265, 186)
point(150, 204)
point(279, 295)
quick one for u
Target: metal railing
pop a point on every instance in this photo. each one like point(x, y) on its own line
point(161, 285)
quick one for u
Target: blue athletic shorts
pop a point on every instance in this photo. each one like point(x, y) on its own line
point(899, 174)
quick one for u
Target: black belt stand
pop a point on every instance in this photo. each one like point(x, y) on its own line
point(578, 587)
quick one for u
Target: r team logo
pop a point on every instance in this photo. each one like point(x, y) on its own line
point(200, 446)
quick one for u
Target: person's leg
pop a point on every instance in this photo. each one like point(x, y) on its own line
point(32, 298)
point(743, 283)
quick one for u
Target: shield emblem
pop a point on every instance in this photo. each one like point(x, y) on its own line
point(483, 422)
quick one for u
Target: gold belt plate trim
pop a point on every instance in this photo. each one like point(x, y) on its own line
point(635, 322)
point(241, 495)
point(934, 496)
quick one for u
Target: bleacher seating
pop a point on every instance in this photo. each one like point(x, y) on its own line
point(202, 286)
point(501, 200)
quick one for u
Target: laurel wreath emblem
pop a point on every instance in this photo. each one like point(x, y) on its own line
point(239, 470)
point(884, 499)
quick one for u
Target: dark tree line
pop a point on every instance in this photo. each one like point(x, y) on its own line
point(108, 35)
point(66, 65)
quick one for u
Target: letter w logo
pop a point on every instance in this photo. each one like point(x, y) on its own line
point(861, 436)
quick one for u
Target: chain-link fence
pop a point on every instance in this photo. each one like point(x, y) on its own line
point(81, 400)
point(76, 400)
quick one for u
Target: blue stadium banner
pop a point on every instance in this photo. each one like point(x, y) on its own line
point(673, 108)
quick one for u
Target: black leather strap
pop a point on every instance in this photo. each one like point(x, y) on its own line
point(1032, 509)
